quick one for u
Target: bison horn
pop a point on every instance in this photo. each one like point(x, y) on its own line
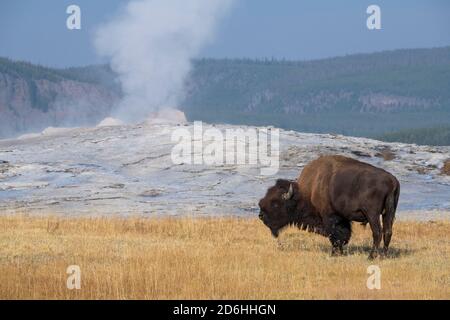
point(288, 195)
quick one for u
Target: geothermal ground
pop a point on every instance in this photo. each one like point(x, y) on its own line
point(128, 170)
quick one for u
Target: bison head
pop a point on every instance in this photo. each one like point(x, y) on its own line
point(278, 207)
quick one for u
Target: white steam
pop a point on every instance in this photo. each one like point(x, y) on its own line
point(151, 45)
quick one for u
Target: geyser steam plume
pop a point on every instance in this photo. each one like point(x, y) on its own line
point(151, 45)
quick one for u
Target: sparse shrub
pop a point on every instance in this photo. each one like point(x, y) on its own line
point(446, 168)
point(387, 154)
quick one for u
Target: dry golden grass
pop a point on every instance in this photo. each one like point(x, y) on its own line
point(212, 258)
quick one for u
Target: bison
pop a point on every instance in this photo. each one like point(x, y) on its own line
point(331, 192)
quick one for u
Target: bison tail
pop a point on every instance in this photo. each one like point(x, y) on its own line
point(390, 205)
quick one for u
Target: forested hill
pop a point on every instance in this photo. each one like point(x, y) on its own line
point(363, 95)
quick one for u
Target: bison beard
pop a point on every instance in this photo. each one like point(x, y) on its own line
point(331, 192)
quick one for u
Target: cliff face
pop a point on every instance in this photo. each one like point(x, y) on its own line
point(28, 105)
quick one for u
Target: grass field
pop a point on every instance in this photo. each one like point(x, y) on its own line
point(212, 258)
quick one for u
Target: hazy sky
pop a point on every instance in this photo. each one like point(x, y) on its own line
point(294, 29)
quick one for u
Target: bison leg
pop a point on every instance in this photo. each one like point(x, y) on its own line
point(387, 231)
point(339, 231)
point(375, 225)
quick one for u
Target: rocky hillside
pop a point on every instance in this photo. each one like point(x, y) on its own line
point(33, 98)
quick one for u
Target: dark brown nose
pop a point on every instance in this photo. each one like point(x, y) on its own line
point(261, 215)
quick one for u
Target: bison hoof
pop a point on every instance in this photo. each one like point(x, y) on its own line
point(373, 255)
point(336, 252)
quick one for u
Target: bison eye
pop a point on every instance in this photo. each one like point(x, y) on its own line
point(275, 205)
